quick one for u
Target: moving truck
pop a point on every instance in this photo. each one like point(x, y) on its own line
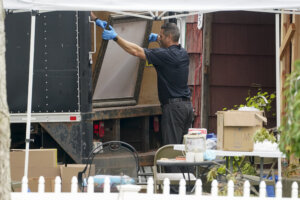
point(61, 78)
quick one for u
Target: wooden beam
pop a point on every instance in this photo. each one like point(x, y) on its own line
point(207, 43)
point(296, 41)
point(125, 112)
point(285, 63)
point(287, 39)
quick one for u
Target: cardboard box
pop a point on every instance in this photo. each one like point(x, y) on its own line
point(37, 157)
point(42, 162)
point(67, 173)
point(33, 184)
point(235, 129)
point(17, 173)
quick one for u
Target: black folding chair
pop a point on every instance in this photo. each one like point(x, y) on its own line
point(114, 158)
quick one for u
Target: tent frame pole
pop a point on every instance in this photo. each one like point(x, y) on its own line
point(278, 85)
point(29, 97)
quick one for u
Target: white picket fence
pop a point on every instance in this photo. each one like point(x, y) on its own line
point(131, 192)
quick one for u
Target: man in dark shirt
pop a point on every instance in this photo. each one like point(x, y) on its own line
point(171, 62)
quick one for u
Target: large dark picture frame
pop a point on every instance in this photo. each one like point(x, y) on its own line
point(118, 75)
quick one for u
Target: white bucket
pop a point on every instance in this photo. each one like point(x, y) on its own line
point(195, 142)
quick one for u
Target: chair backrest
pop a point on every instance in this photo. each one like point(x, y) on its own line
point(271, 162)
point(166, 151)
point(267, 161)
point(111, 158)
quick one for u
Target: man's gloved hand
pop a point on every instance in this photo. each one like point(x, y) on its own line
point(101, 23)
point(153, 37)
point(109, 34)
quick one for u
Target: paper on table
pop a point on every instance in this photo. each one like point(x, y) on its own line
point(179, 147)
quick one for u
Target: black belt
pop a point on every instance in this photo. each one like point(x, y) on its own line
point(174, 100)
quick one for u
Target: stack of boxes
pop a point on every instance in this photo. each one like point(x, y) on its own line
point(42, 162)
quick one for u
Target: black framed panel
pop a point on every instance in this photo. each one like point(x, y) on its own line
point(118, 75)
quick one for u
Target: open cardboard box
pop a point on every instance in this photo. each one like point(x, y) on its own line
point(67, 172)
point(235, 129)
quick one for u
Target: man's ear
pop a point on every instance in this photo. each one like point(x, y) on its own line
point(170, 38)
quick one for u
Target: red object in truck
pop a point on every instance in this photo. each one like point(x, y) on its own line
point(99, 129)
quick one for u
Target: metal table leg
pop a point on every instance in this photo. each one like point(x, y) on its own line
point(261, 168)
point(231, 164)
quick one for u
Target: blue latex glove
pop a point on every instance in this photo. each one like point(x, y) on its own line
point(109, 34)
point(153, 37)
point(101, 23)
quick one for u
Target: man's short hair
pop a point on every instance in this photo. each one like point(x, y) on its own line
point(171, 29)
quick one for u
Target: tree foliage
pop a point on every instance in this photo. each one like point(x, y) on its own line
point(262, 101)
point(290, 125)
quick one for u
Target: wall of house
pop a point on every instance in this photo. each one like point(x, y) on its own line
point(242, 60)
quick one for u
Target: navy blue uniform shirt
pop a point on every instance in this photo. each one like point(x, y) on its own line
point(172, 66)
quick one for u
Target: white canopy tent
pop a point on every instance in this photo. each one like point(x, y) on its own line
point(155, 9)
point(153, 5)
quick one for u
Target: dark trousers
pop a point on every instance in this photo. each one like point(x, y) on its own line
point(176, 119)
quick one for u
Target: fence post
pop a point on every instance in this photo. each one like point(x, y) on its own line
point(214, 188)
point(230, 187)
point(57, 188)
point(279, 189)
point(198, 191)
point(106, 185)
point(246, 189)
point(24, 184)
point(166, 186)
point(182, 187)
point(74, 185)
point(150, 186)
point(262, 189)
point(41, 188)
point(90, 185)
point(295, 190)
point(125, 191)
